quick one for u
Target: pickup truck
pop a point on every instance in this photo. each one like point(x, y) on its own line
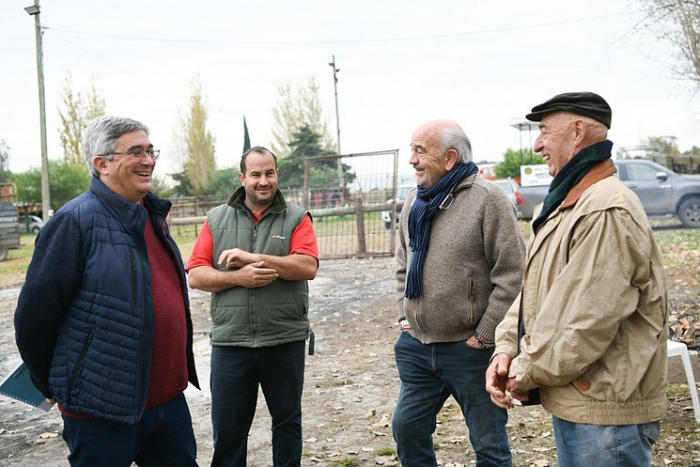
point(663, 192)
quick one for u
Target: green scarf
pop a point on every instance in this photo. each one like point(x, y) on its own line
point(570, 175)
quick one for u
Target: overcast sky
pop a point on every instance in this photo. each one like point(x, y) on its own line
point(402, 62)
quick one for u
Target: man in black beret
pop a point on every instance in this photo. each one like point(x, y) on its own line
point(587, 335)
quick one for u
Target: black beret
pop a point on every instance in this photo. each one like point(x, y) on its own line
point(588, 104)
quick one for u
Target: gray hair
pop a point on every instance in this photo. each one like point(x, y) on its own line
point(453, 137)
point(101, 137)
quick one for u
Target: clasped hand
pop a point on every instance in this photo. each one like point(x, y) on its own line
point(251, 273)
point(503, 389)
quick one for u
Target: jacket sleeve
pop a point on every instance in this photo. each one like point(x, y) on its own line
point(597, 289)
point(52, 277)
point(505, 251)
point(507, 331)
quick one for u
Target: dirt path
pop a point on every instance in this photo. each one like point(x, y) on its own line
point(350, 390)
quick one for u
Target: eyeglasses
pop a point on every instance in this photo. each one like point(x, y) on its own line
point(138, 153)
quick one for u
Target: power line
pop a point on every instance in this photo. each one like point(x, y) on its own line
point(348, 41)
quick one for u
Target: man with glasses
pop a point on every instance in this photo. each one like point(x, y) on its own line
point(103, 320)
point(461, 259)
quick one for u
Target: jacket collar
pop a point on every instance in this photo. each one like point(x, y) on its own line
point(129, 211)
point(599, 172)
point(237, 201)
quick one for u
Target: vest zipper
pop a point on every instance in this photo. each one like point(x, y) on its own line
point(142, 339)
point(251, 292)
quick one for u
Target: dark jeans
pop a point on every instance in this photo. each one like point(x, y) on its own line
point(235, 375)
point(429, 374)
point(162, 438)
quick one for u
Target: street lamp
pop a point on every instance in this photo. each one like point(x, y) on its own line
point(33, 10)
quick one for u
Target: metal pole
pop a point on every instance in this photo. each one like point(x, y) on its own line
point(45, 198)
point(337, 121)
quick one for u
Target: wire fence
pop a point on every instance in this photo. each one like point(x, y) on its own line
point(352, 199)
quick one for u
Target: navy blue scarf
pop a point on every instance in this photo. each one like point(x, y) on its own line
point(420, 219)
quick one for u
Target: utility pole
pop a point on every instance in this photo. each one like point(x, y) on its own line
point(341, 179)
point(45, 198)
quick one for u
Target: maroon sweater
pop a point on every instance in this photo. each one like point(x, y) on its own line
point(169, 359)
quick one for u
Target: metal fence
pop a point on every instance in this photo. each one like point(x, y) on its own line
point(350, 197)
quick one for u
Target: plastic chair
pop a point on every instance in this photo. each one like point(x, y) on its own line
point(679, 348)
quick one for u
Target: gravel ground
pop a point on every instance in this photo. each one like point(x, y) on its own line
point(351, 385)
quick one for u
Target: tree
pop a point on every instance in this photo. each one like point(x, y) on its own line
point(28, 186)
point(307, 143)
point(160, 187)
point(665, 145)
point(295, 109)
point(694, 151)
point(513, 159)
point(223, 182)
point(68, 180)
point(4, 159)
point(78, 112)
point(198, 143)
point(676, 22)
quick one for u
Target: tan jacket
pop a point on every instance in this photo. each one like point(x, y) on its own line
point(595, 309)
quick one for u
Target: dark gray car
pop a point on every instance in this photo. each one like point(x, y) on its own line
point(663, 192)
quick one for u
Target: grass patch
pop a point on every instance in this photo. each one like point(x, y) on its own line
point(677, 389)
point(345, 462)
point(385, 452)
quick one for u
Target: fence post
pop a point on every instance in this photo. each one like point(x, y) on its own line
point(361, 244)
point(307, 170)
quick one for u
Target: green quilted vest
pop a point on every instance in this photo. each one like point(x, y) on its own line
point(265, 316)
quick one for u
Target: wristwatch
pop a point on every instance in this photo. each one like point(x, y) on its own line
point(484, 343)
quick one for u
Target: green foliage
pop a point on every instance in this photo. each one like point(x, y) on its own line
point(295, 109)
point(68, 180)
point(28, 186)
point(307, 143)
point(160, 187)
point(223, 182)
point(385, 452)
point(344, 462)
point(199, 143)
point(513, 159)
point(4, 159)
point(666, 145)
point(694, 151)
point(183, 187)
point(78, 113)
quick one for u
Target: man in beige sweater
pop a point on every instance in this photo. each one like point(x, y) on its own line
point(461, 259)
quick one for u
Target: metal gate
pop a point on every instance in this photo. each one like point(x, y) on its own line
point(352, 199)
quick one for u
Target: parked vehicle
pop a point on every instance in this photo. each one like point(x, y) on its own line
point(401, 193)
point(30, 223)
point(530, 197)
point(9, 228)
point(663, 193)
point(510, 188)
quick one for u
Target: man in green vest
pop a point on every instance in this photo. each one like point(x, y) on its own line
point(255, 255)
